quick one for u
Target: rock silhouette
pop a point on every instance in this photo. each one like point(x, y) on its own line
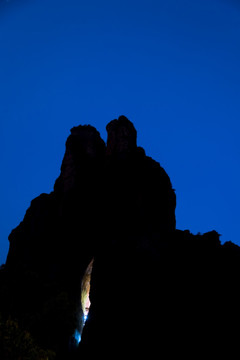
point(155, 290)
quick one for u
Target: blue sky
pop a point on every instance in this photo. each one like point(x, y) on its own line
point(171, 67)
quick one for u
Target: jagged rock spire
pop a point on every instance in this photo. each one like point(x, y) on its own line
point(82, 146)
point(122, 136)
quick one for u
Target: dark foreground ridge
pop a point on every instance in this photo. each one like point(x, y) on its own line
point(109, 226)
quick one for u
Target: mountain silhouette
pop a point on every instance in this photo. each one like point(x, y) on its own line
point(100, 260)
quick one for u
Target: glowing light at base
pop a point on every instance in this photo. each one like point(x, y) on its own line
point(85, 301)
point(77, 336)
point(85, 289)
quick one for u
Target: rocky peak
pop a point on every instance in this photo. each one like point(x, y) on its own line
point(83, 146)
point(122, 136)
point(84, 141)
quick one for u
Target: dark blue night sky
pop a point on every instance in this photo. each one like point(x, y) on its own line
point(172, 67)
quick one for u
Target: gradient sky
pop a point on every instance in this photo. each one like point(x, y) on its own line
point(172, 67)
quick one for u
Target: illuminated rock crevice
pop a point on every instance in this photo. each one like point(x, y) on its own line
point(85, 290)
point(84, 305)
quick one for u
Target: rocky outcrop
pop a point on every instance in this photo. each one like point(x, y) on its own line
point(138, 190)
point(122, 136)
point(154, 289)
point(84, 149)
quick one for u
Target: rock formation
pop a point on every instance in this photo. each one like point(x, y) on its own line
point(122, 137)
point(154, 290)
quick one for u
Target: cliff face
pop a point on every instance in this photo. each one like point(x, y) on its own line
point(153, 288)
point(102, 190)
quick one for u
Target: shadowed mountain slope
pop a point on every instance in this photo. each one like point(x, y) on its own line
point(110, 224)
